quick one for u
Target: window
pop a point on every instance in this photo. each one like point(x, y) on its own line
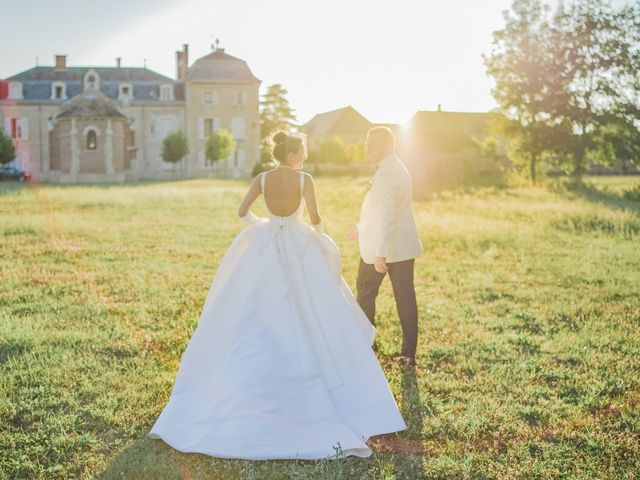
point(92, 140)
point(58, 91)
point(91, 80)
point(126, 91)
point(17, 128)
point(163, 126)
point(237, 128)
point(166, 92)
point(211, 98)
point(240, 98)
point(15, 91)
point(207, 126)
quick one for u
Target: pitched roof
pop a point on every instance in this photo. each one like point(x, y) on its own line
point(221, 67)
point(37, 82)
point(346, 120)
point(451, 131)
point(116, 74)
point(466, 121)
point(90, 103)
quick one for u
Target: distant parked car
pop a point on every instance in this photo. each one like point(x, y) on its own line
point(13, 173)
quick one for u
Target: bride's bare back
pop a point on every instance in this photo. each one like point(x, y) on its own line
point(282, 193)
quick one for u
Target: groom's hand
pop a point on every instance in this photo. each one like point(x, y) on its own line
point(380, 264)
point(353, 234)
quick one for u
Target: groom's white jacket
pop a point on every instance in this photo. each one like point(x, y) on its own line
point(387, 227)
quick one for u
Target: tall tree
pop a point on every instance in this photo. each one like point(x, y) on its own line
point(275, 113)
point(568, 82)
point(600, 49)
point(520, 63)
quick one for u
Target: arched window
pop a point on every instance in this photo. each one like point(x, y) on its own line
point(92, 140)
point(91, 80)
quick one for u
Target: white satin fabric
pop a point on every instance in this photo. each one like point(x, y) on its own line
point(280, 365)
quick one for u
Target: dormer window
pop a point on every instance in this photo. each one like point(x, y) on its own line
point(91, 80)
point(58, 91)
point(126, 91)
point(15, 91)
point(166, 92)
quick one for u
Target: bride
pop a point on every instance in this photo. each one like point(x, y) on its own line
point(280, 365)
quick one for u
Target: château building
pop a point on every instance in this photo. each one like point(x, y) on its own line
point(107, 124)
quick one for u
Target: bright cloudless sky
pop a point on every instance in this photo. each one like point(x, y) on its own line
point(387, 58)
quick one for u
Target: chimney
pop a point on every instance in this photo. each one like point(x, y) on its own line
point(118, 61)
point(61, 62)
point(182, 62)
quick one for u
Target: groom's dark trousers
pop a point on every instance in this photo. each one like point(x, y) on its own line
point(401, 275)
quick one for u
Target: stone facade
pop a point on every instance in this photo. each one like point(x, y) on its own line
point(56, 114)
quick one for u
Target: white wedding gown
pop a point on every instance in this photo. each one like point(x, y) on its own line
point(280, 365)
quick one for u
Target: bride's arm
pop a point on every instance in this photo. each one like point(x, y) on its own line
point(312, 204)
point(250, 197)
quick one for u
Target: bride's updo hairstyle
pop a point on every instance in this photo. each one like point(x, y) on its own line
point(284, 144)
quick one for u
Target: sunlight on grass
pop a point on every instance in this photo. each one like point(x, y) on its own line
point(529, 314)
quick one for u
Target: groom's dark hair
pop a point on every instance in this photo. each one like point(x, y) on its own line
point(384, 132)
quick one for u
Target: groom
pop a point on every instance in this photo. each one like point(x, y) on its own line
point(388, 238)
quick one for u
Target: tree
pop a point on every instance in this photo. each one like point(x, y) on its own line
point(266, 163)
point(568, 82)
point(331, 150)
point(220, 146)
point(175, 147)
point(275, 113)
point(7, 150)
point(598, 81)
point(356, 152)
point(618, 142)
point(520, 64)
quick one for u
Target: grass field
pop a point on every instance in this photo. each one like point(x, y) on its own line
point(529, 348)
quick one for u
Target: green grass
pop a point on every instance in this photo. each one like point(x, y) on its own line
point(529, 342)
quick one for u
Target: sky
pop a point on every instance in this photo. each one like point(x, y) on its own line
point(386, 58)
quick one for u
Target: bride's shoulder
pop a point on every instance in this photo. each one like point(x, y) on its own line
point(308, 178)
point(263, 174)
point(257, 180)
